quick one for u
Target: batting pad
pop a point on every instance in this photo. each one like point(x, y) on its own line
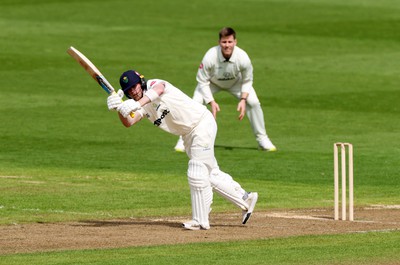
point(225, 186)
point(200, 191)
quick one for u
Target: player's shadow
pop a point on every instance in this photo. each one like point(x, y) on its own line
point(104, 223)
point(229, 147)
point(116, 223)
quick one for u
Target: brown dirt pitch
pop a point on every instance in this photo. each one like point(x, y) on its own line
point(27, 238)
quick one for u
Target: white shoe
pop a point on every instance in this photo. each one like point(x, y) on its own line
point(266, 145)
point(194, 225)
point(179, 147)
point(251, 201)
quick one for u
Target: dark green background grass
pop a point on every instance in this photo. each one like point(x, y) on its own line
point(325, 71)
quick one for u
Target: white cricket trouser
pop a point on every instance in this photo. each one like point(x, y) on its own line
point(254, 111)
point(199, 145)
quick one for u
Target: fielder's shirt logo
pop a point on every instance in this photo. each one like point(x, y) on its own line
point(226, 76)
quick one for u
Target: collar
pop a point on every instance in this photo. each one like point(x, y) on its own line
point(222, 59)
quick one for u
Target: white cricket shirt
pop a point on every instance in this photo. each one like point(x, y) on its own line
point(215, 69)
point(173, 111)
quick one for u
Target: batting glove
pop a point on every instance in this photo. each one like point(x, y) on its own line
point(115, 100)
point(128, 106)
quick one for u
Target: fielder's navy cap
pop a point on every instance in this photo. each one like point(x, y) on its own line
point(128, 79)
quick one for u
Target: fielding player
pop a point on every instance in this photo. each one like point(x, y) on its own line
point(171, 110)
point(226, 67)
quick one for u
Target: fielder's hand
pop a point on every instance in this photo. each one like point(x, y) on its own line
point(214, 108)
point(115, 100)
point(128, 106)
point(241, 108)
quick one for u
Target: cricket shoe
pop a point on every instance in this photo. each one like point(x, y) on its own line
point(179, 147)
point(194, 225)
point(251, 201)
point(265, 144)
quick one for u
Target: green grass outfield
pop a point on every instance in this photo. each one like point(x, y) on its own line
point(325, 71)
point(373, 248)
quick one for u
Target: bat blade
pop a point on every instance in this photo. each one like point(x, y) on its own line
point(91, 69)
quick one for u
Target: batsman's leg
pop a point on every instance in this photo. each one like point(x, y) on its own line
point(201, 196)
point(228, 188)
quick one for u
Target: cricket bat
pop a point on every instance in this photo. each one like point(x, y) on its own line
point(92, 71)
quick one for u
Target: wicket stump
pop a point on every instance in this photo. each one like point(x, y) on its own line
point(343, 173)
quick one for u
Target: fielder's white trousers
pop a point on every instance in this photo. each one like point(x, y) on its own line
point(254, 111)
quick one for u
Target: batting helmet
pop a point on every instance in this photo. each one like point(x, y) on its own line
point(129, 79)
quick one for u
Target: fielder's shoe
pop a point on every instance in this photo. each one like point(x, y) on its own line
point(265, 144)
point(251, 201)
point(179, 147)
point(194, 225)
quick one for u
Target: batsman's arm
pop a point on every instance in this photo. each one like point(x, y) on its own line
point(129, 121)
point(152, 94)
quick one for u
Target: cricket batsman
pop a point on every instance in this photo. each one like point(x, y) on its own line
point(169, 109)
